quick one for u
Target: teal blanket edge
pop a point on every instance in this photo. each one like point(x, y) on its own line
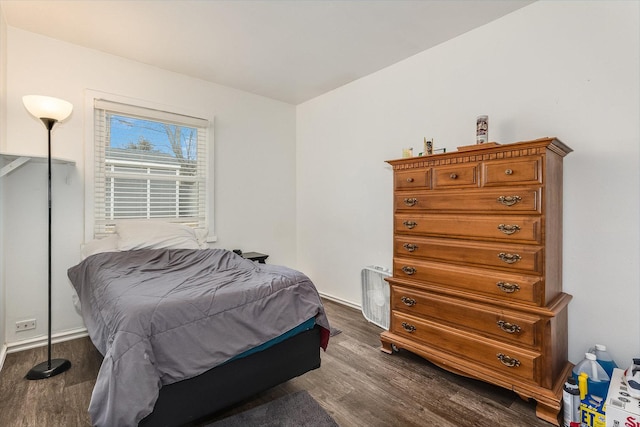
point(304, 326)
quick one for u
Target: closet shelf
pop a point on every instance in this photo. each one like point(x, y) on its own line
point(11, 162)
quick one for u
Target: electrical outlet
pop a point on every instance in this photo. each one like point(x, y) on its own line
point(25, 325)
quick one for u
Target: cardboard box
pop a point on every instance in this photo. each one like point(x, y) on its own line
point(622, 409)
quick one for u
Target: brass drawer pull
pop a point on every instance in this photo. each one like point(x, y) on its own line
point(407, 327)
point(453, 176)
point(409, 179)
point(510, 328)
point(509, 258)
point(508, 172)
point(408, 270)
point(507, 361)
point(508, 288)
point(509, 229)
point(410, 201)
point(509, 200)
point(410, 247)
point(410, 224)
point(409, 302)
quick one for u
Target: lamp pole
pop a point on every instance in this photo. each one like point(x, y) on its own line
point(49, 111)
point(49, 125)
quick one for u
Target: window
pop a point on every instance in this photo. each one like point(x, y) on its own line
point(148, 164)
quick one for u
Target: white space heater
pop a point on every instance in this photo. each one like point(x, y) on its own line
point(375, 295)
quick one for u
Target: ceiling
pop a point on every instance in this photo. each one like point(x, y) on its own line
point(289, 50)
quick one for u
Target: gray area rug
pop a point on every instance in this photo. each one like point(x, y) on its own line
point(293, 410)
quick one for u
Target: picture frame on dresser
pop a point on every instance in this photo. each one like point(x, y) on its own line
point(477, 266)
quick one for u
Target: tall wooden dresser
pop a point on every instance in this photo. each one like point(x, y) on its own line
point(477, 266)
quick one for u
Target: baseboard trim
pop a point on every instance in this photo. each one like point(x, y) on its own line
point(3, 355)
point(341, 301)
point(41, 341)
point(72, 334)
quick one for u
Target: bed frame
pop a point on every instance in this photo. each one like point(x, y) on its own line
point(193, 399)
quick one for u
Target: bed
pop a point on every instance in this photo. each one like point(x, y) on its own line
point(187, 331)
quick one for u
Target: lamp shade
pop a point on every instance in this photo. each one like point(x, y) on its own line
point(46, 107)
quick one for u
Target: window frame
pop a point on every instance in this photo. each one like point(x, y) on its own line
point(139, 108)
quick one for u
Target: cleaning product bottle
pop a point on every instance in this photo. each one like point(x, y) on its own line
point(582, 385)
point(598, 379)
point(604, 359)
point(571, 402)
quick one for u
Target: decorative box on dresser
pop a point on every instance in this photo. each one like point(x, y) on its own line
point(477, 266)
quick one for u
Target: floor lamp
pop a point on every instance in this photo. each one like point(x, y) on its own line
point(50, 111)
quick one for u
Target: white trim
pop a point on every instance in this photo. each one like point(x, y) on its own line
point(341, 301)
point(90, 95)
point(72, 334)
point(41, 341)
point(82, 332)
point(3, 355)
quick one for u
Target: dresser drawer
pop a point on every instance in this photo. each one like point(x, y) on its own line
point(504, 256)
point(513, 171)
point(414, 178)
point(456, 176)
point(504, 325)
point(517, 200)
point(496, 284)
point(508, 228)
point(501, 357)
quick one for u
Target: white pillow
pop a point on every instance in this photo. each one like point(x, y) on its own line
point(201, 236)
point(106, 244)
point(155, 235)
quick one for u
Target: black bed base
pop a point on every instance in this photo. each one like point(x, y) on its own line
point(189, 400)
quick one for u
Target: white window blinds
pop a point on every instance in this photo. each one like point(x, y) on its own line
point(149, 164)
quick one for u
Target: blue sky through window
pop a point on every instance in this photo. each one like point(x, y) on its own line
point(129, 132)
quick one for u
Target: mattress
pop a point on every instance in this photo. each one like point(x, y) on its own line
point(161, 316)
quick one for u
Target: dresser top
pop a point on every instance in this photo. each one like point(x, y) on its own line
point(488, 151)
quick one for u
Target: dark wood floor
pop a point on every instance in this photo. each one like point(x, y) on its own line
point(357, 384)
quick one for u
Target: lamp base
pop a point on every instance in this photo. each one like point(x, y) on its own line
point(45, 370)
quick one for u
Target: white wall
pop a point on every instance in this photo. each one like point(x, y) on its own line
point(568, 69)
point(3, 120)
point(254, 167)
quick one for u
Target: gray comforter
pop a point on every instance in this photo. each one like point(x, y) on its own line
point(161, 316)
